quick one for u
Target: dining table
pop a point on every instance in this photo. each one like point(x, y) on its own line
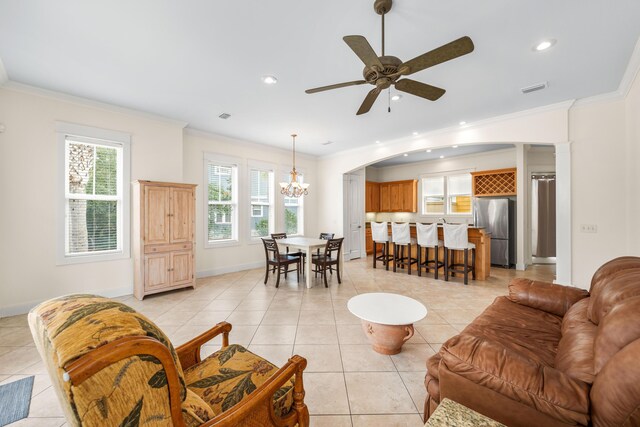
point(308, 245)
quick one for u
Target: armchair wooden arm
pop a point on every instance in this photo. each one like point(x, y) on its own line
point(189, 352)
point(257, 408)
point(81, 369)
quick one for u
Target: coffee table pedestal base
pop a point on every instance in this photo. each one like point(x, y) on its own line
point(387, 339)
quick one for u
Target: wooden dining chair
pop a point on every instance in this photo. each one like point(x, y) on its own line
point(299, 254)
point(456, 238)
point(326, 261)
point(325, 236)
point(278, 262)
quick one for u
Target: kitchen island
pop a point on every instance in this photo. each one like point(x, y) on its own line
point(477, 236)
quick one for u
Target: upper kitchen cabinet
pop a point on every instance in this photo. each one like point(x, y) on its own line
point(395, 196)
point(497, 182)
point(372, 200)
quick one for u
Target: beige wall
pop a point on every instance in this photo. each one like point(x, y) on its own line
point(30, 173)
point(247, 254)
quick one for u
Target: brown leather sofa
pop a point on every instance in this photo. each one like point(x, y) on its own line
point(549, 355)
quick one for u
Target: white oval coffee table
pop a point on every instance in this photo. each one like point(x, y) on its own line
point(387, 319)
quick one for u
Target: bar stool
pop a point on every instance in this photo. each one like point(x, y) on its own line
point(456, 238)
point(380, 236)
point(428, 238)
point(401, 237)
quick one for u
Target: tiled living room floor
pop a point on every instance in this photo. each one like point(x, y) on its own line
point(347, 383)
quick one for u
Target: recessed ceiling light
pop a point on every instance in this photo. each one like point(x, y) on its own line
point(462, 123)
point(396, 97)
point(269, 80)
point(224, 116)
point(415, 134)
point(429, 150)
point(442, 157)
point(544, 45)
point(405, 154)
point(455, 146)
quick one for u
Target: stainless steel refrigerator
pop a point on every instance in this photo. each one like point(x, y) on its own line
point(498, 217)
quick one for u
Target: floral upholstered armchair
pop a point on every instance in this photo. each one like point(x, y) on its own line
point(111, 366)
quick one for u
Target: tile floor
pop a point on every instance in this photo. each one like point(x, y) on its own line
point(347, 383)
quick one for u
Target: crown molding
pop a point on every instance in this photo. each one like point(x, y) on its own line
point(85, 102)
point(563, 106)
point(628, 78)
point(4, 77)
point(243, 143)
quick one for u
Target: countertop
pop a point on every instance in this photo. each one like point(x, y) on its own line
point(413, 224)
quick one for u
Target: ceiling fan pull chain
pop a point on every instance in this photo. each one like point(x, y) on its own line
point(389, 100)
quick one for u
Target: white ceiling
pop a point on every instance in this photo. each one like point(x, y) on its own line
point(446, 152)
point(193, 60)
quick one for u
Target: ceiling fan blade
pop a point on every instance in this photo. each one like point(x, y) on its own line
point(368, 101)
point(422, 90)
point(444, 53)
point(363, 49)
point(336, 86)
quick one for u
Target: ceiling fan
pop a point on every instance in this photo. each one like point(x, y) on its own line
point(384, 71)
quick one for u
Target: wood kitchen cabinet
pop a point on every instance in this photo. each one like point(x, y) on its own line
point(372, 200)
point(399, 196)
point(163, 230)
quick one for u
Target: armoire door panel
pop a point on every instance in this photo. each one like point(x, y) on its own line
point(157, 270)
point(181, 271)
point(181, 215)
point(157, 209)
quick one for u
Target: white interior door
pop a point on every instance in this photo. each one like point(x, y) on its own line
point(355, 220)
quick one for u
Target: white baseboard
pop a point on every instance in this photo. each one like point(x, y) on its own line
point(229, 269)
point(14, 310)
point(521, 266)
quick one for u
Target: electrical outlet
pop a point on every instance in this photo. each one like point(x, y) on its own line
point(589, 228)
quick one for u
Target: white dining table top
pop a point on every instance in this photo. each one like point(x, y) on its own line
point(302, 241)
point(387, 309)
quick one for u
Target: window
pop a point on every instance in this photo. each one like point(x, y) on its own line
point(446, 194)
point(222, 200)
point(293, 211)
point(261, 199)
point(459, 194)
point(433, 195)
point(95, 202)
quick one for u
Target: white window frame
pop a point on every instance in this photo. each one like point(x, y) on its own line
point(104, 137)
point(300, 203)
point(445, 176)
point(236, 165)
point(266, 167)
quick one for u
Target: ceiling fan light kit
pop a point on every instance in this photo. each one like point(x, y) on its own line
point(385, 71)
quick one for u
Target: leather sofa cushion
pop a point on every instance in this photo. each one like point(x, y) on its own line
point(603, 273)
point(615, 395)
point(619, 327)
point(554, 299)
point(533, 333)
point(517, 377)
point(607, 271)
point(575, 350)
point(620, 286)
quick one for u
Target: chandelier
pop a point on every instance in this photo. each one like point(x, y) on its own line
point(293, 188)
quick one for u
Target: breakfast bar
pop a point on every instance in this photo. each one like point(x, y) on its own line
point(477, 236)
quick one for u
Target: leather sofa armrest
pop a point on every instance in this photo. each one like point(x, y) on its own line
point(554, 299)
point(491, 365)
